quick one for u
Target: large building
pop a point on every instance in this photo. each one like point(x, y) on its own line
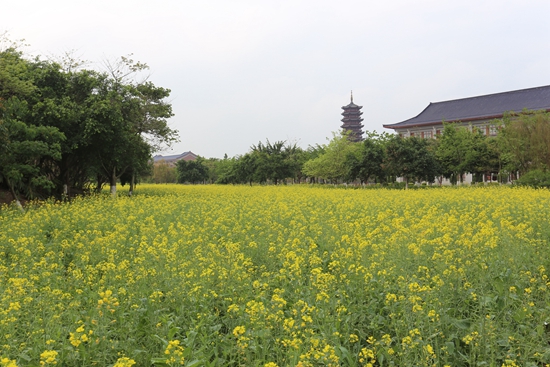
point(480, 112)
point(172, 159)
point(352, 121)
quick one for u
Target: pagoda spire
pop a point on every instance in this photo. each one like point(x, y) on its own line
point(352, 120)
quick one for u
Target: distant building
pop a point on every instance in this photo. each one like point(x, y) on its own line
point(480, 112)
point(172, 159)
point(352, 121)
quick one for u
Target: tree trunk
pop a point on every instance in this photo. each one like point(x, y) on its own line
point(65, 176)
point(15, 197)
point(99, 184)
point(132, 182)
point(113, 183)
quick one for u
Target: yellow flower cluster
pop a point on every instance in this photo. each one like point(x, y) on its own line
point(6, 362)
point(107, 301)
point(48, 358)
point(174, 353)
point(80, 336)
point(315, 276)
point(124, 362)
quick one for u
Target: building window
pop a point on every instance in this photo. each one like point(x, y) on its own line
point(428, 134)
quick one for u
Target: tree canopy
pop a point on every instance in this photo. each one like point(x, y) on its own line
point(65, 129)
point(526, 139)
point(333, 163)
point(191, 171)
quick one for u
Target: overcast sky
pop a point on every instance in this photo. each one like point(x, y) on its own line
point(243, 71)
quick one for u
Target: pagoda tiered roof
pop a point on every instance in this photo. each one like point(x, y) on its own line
point(351, 106)
point(352, 120)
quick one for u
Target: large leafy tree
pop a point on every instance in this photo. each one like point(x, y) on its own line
point(333, 164)
point(69, 101)
point(192, 171)
point(246, 169)
point(525, 141)
point(24, 145)
point(274, 161)
point(483, 157)
point(164, 173)
point(368, 164)
point(411, 158)
point(462, 150)
point(295, 158)
point(453, 145)
point(134, 119)
point(61, 125)
point(225, 170)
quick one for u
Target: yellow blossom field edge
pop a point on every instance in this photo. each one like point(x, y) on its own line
point(278, 276)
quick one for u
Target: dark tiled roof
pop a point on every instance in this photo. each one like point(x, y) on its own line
point(170, 158)
point(351, 105)
point(481, 107)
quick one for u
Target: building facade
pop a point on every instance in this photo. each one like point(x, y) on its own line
point(480, 112)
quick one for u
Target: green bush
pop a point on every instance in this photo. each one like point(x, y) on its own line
point(535, 178)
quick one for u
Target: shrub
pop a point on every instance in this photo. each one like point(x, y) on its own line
point(535, 178)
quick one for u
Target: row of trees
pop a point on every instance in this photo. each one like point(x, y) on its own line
point(65, 129)
point(522, 145)
point(379, 158)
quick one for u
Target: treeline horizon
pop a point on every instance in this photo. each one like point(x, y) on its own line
point(67, 129)
point(520, 149)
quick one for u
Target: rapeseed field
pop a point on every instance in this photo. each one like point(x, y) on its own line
point(278, 276)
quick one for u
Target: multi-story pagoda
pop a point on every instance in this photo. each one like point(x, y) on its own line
point(352, 121)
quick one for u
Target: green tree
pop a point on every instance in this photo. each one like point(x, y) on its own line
point(411, 158)
point(246, 168)
point(273, 161)
point(462, 150)
point(164, 173)
point(226, 171)
point(525, 141)
point(333, 163)
point(191, 171)
point(69, 102)
point(295, 158)
point(213, 165)
point(483, 157)
point(84, 124)
point(368, 164)
point(453, 152)
point(23, 146)
point(131, 122)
